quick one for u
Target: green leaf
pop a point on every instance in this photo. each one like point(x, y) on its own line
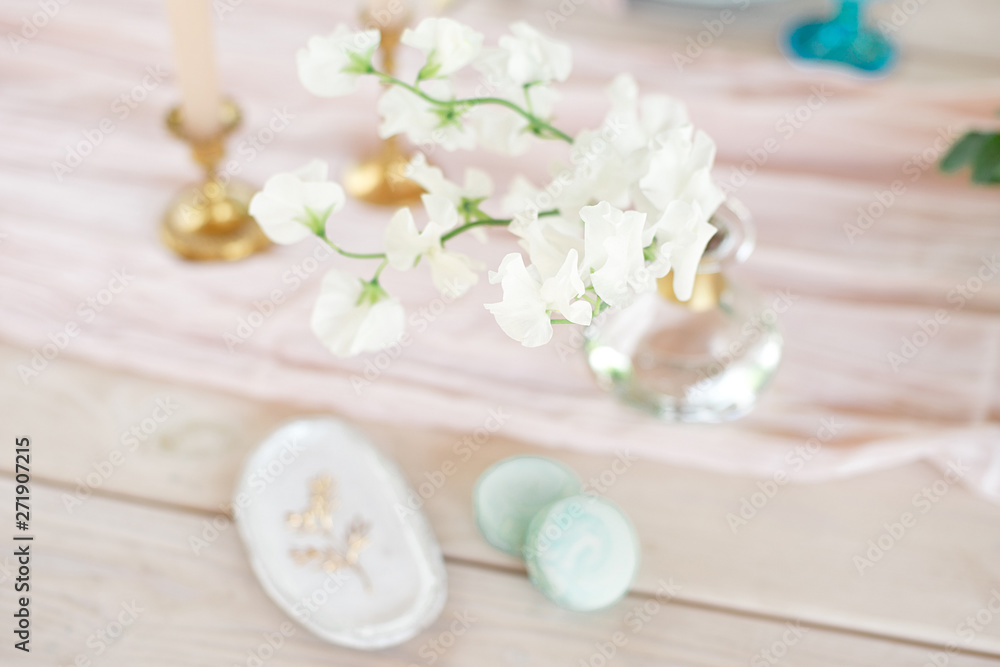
point(986, 168)
point(964, 151)
point(429, 71)
point(359, 63)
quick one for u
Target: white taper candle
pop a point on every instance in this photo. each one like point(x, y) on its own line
point(191, 26)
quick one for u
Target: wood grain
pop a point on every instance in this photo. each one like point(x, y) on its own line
point(159, 349)
point(206, 610)
point(793, 560)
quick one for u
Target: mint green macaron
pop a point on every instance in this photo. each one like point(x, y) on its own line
point(582, 553)
point(511, 492)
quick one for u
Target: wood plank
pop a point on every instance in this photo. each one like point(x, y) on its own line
point(208, 610)
point(793, 560)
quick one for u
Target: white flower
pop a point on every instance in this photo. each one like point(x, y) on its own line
point(634, 122)
point(478, 187)
point(422, 122)
point(548, 241)
point(598, 174)
point(296, 205)
point(330, 66)
point(679, 169)
point(524, 313)
point(352, 316)
point(504, 131)
point(478, 184)
point(530, 57)
point(613, 248)
point(448, 45)
point(683, 233)
point(452, 273)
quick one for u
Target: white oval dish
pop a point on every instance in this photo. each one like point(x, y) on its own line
point(362, 568)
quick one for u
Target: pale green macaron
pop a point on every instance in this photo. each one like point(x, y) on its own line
point(582, 553)
point(511, 492)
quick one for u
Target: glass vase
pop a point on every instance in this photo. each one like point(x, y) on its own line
point(704, 360)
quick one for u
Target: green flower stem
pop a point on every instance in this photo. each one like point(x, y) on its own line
point(352, 255)
point(560, 320)
point(486, 222)
point(378, 271)
point(537, 124)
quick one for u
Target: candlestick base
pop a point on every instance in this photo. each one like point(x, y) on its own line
point(210, 220)
point(381, 179)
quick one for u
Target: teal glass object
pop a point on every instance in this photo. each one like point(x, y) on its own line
point(843, 39)
point(511, 492)
point(582, 553)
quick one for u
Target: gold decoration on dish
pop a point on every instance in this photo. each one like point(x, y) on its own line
point(318, 519)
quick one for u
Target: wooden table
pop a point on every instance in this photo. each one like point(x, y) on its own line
point(148, 553)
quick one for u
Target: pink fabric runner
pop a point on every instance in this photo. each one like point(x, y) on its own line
point(856, 298)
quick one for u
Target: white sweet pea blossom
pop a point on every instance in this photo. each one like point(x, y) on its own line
point(524, 313)
point(613, 249)
point(634, 122)
point(293, 206)
point(679, 169)
point(506, 132)
point(453, 273)
point(597, 173)
point(477, 188)
point(548, 241)
point(330, 66)
point(424, 123)
point(682, 235)
point(530, 57)
point(478, 184)
point(352, 316)
point(448, 45)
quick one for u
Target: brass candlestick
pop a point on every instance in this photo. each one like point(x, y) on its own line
point(381, 178)
point(210, 220)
